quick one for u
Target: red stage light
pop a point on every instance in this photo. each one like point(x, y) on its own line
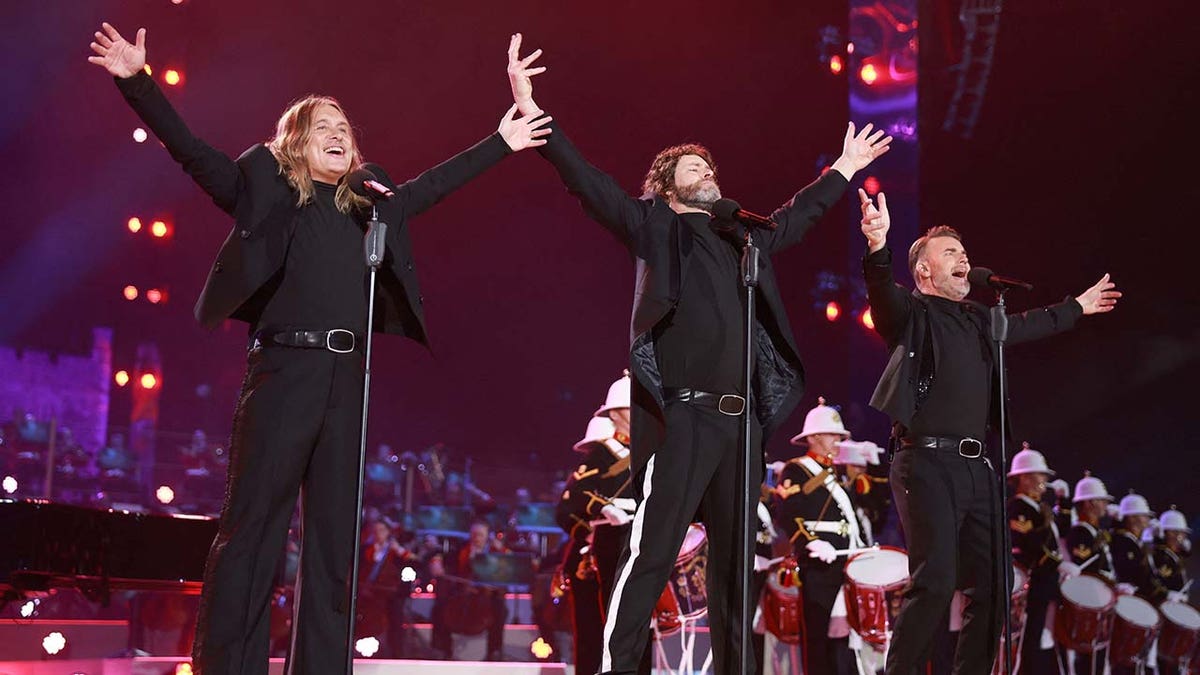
point(135, 225)
point(867, 320)
point(835, 64)
point(158, 228)
point(172, 77)
point(871, 185)
point(868, 74)
point(155, 296)
point(149, 381)
point(131, 292)
point(832, 311)
point(148, 69)
point(122, 378)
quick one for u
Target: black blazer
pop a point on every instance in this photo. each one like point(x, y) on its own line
point(263, 206)
point(902, 319)
point(661, 244)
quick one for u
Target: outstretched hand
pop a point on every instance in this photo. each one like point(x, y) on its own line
point(115, 54)
point(1099, 298)
point(860, 149)
point(520, 75)
point(527, 131)
point(875, 221)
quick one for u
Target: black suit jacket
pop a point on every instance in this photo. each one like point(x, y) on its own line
point(661, 244)
point(902, 319)
point(264, 208)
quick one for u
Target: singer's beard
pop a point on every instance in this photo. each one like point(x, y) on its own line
point(701, 195)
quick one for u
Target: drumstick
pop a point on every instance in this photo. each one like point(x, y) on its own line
point(1186, 586)
point(848, 551)
point(1087, 562)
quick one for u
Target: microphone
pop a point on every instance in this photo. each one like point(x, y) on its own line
point(727, 209)
point(983, 277)
point(365, 184)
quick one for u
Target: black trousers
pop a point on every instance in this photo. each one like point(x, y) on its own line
point(696, 470)
point(950, 511)
point(295, 431)
point(820, 583)
point(1043, 591)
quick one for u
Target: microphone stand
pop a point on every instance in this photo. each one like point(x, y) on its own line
point(999, 325)
point(750, 255)
point(374, 245)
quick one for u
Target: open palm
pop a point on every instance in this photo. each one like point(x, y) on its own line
point(115, 54)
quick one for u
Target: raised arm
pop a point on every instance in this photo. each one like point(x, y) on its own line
point(213, 171)
point(891, 303)
point(800, 213)
point(601, 196)
point(1101, 298)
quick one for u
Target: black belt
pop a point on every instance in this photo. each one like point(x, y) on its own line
point(337, 340)
point(726, 404)
point(970, 448)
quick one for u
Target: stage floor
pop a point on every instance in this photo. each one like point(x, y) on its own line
point(170, 666)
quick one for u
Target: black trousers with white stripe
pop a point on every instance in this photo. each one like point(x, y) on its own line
point(696, 472)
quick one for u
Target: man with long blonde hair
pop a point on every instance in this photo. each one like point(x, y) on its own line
point(293, 269)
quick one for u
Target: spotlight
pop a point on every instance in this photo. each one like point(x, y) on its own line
point(122, 378)
point(835, 64)
point(367, 646)
point(149, 381)
point(172, 77)
point(135, 224)
point(148, 69)
point(158, 228)
point(866, 319)
point(139, 135)
point(155, 296)
point(28, 609)
point(408, 575)
point(54, 643)
point(871, 185)
point(183, 668)
point(130, 292)
point(541, 649)
point(165, 494)
point(9, 484)
point(832, 311)
point(868, 74)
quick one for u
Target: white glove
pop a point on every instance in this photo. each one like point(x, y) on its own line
point(821, 550)
point(1114, 511)
point(1126, 589)
point(1149, 533)
point(1061, 489)
point(1067, 568)
point(1177, 596)
point(625, 504)
point(614, 515)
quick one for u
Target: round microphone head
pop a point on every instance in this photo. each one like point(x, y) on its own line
point(724, 208)
point(978, 276)
point(357, 181)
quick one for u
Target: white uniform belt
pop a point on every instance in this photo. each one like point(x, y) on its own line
point(838, 527)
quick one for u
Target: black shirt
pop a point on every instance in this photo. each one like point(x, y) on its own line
point(700, 342)
point(959, 394)
point(323, 283)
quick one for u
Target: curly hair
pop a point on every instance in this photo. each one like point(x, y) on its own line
point(291, 136)
point(918, 246)
point(660, 179)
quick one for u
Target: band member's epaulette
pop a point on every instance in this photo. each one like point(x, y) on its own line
point(1021, 524)
point(786, 488)
point(1082, 552)
point(802, 530)
point(583, 472)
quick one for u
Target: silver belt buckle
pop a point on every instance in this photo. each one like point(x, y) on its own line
point(329, 345)
point(738, 402)
point(970, 443)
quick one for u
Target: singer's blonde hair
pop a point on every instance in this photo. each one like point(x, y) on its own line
point(291, 136)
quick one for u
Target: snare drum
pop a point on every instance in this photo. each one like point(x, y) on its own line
point(781, 605)
point(875, 581)
point(688, 579)
point(1084, 618)
point(666, 615)
point(1135, 623)
point(1180, 631)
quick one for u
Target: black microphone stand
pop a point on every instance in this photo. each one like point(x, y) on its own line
point(373, 248)
point(999, 324)
point(750, 254)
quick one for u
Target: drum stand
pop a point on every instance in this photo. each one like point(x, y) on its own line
point(999, 324)
point(750, 254)
point(373, 245)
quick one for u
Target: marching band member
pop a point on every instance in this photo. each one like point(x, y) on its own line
point(813, 508)
point(1131, 562)
point(1087, 544)
point(1169, 553)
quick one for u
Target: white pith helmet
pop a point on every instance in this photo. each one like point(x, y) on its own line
point(1090, 487)
point(618, 396)
point(1171, 519)
point(1029, 460)
point(822, 419)
point(1133, 504)
point(599, 429)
